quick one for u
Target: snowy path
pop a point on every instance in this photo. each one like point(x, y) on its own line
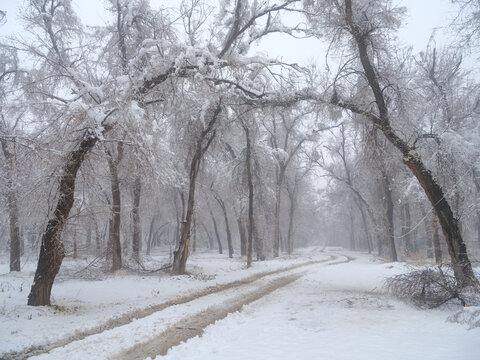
point(126, 340)
point(84, 307)
point(333, 313)
point(315, 305)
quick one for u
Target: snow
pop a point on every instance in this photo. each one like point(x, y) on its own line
point(85, 304)
point(335, 310)
point(333, 313)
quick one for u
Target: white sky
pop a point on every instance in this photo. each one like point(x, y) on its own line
point(423, 17)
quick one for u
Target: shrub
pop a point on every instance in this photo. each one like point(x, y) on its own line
point(431, 287)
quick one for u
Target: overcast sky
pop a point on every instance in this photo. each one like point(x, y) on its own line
point(423, 17)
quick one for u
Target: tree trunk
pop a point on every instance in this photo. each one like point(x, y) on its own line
point(52, 248)
point(150, 236)
point(389, 217)
point(278, 198)
point(220, 249)
point(456, 246)
point(227, 226)
point(14, 228)
point(12, 210)
point(250, 223)
point(436, 242)
point(243, 237)
point(211, 243)
point(114, 243)
point(410, 238)
point(137, 231)
point(291, 214)
point(352, 231)
point(365, 226)
point(258, 241)
point(181, 254)
point(194, 227)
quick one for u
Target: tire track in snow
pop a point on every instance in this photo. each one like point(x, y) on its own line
point(195, 325)
point(348, 259)
point(127, 318)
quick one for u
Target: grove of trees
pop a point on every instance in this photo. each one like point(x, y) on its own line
point(163, 128)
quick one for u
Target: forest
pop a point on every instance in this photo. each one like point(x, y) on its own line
point(132, 146)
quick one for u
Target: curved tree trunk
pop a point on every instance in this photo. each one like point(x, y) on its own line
point(456, 246)
point(52, 248)
point(181, 254)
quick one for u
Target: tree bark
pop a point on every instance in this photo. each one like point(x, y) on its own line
point(278, 199)
point(114, 243)
point(250, 223)
point(211, 244)
point(410, 241)
point(227, 226)
point(243, 237)
point(456, 246)
point(194, 227)
point(137, 231)
point(181, 254)
point(12, 210)
point(389, 224)
point(352, 230)
point(215, 228)
point(365, 225)
point(291, 214)
point(52, 248)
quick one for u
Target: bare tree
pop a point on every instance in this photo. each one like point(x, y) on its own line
point(362, 26)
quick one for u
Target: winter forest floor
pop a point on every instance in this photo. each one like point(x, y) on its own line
point(318, 304)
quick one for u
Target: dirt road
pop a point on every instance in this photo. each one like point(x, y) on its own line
point(262, 284)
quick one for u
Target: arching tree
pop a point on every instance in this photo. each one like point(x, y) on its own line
point(362, 22)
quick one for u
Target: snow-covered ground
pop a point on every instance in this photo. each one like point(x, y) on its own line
point(335, 310)
point(80, 305)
